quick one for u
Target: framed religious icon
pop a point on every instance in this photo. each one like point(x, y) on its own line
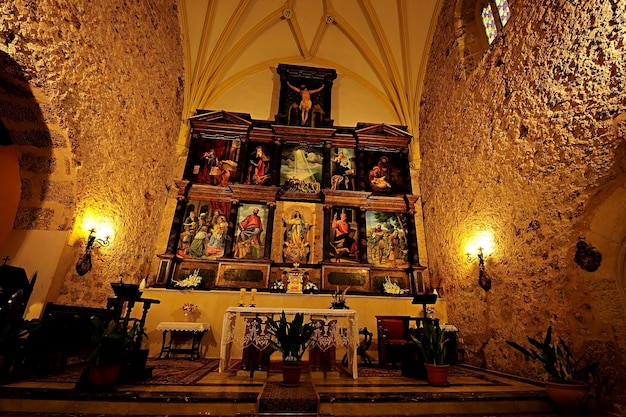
point(344, 235)
point(212, 159)
point(257, 164)
point(342, 169)
point(301, 168)
point(195, 275)
point(204, 230)
point(387, 239)
point(250, 231)
point(243, 275)
point(299, 226)
point(385, 173)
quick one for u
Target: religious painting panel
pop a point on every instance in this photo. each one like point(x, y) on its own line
point(297, 233)
point(212, 159)
point(335, 277)
point(301, 168)
point(344, 235)
point(194, 275)
point(250, 231)
point(385, 173)
point(243, 275)
point(204, 230)
point(397, 281)
point(257, 165)
point(342, 169)
point(387, 242)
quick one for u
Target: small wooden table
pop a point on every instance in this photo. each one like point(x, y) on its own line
point(196, 330)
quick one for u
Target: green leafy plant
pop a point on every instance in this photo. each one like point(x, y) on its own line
point(113, 343)
point(557, 359)
point(433, 344)
point(291, 338)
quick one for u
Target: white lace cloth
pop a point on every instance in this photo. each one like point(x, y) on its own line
point(233, 330)
point(182, 326)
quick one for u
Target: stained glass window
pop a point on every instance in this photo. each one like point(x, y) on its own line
point(490, 23)
point(503, 11)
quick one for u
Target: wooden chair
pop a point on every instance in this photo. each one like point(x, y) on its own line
point(393, 338)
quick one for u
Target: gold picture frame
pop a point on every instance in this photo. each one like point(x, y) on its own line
point(358, 278)
point(208, 272)
point(401, 278)
point(243, 275)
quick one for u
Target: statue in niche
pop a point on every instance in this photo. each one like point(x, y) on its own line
point(305, 103)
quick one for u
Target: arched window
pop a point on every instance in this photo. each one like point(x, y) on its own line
point(495, 14)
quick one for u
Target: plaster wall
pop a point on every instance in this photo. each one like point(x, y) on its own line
point(526, 140)
point(91, 97)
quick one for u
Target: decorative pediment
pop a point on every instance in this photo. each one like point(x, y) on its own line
point(221, 122)
point(382, 136)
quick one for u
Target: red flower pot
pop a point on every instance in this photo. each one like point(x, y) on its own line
point(291, 373)
point(437, 374)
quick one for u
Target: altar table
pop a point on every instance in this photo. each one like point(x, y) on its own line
point(230, 321)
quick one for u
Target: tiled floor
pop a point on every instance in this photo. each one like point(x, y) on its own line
point(471, 393)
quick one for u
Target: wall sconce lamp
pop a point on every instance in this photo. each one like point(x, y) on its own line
point(92, 240)
point(83, 265)
point(484, 280)
point(481, 245)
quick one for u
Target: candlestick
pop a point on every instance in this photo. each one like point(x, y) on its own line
point(253, 297)
point(242, 296)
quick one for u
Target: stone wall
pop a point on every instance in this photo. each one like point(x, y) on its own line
point(528, 141)
point(93, 105)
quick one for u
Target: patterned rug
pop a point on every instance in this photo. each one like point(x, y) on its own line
point(371, 372)
point(276, 398)
point(164, 372)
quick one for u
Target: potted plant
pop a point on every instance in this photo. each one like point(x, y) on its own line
point(567, 384)
point(113, 345)
point(432, 346)
point(291, 339)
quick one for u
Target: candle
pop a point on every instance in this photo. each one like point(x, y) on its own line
point(253, 298)
point(242, 295)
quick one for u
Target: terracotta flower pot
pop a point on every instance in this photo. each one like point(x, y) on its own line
point(437, 374)
point(569, 399)
point(103, 375)
point(291, 373)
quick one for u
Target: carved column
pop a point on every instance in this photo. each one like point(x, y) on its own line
point(326, 234)
point(362, 236)
point(232, 228)
point(267, 251)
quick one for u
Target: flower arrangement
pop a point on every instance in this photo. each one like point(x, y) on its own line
point(339, 299)
point(310, 287)
point(278, 285)
point(189, 308)
point(391, 287)
point(192, 281)
point(430, 311)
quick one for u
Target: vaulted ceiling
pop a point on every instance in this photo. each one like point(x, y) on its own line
point(378, 48)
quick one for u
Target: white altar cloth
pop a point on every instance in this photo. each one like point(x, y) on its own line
point(230, 321)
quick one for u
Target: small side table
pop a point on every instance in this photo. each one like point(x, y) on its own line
point(196, 330)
